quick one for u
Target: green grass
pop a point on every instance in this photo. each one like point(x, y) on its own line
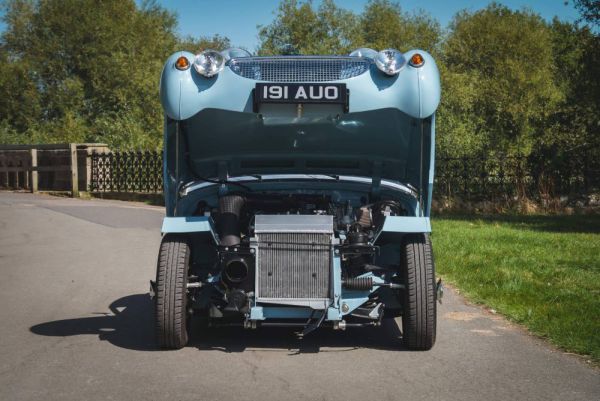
point(540, 271)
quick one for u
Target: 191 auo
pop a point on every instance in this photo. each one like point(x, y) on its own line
point(299, 93)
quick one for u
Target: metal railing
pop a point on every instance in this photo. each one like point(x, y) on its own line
point(509, 177)
point(126, 172)
point(493, 178)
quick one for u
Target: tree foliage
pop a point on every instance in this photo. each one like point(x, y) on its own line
point(83, 70)
point(509, 56)
point(330, 29)
point(590, 11)
point(576, 122)
point(327, 30)
point(383, 25)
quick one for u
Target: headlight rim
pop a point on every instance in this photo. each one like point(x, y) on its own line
point(385, 66)
point(202, 69)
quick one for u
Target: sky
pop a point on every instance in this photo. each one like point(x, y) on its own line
point(237, 19)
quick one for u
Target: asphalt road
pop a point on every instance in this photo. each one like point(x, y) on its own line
point(76, 323)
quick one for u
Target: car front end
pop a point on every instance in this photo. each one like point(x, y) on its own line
point(298, 191)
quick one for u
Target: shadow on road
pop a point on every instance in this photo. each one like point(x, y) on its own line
point(131, 326)
point(233, 339)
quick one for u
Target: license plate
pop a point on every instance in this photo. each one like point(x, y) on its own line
point(301, 93)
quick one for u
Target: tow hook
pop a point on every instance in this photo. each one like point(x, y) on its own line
point(310, 327)
point(152, 291)
point(439, 290)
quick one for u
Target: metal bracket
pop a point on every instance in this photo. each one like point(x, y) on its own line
point(223, 171)
point(347, 103)
point(152, 291)
point(439, 291)
point(376, 313)
point(310, 327)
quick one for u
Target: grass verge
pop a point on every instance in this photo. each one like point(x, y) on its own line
point(540, 271)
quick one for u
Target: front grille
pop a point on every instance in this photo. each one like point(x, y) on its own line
point(299, 69)
point(294, 265)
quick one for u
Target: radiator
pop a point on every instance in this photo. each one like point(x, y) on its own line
point(293, 256)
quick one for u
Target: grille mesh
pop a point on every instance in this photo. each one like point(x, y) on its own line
point(294, 265)
point(299, 69)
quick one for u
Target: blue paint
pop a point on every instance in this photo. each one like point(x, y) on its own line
point(188, 224)
point(333, 312)
point(279, 312)
point(218, 112)
point(414, 91)
point(431, 169)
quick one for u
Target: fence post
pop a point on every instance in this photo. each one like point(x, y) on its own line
point(88, 169)
point(34, 172)
point(74, 172)
point(17, 164)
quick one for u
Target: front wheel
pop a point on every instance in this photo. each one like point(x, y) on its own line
point(419, 300)
point(171, 292)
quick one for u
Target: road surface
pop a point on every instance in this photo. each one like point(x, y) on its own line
point(77, 324)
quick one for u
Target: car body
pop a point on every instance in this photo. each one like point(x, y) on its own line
point(297, 188)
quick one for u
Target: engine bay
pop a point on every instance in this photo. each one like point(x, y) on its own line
point(278, 249)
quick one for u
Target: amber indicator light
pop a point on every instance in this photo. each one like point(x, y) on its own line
point(182, 63)
point(416, 60)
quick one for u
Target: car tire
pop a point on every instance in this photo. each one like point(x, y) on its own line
point(419, 297)
point(172, 318)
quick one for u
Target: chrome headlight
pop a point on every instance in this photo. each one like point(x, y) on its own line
point(209, 63)
point(390, 61)
point(234, 52)
point(364, 52)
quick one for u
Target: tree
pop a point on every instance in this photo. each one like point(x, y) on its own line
point(82, 70)
point(509, 56)
point(328, 30)
point(383, 25)
point(196, 45)
point(589, 10)
point(333, 30)
point(577, 119)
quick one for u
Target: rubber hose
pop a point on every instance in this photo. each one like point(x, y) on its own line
point(228, 228)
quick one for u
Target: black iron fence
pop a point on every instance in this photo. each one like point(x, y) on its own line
point(126, 172)
point(472, 178)
point(516, 177)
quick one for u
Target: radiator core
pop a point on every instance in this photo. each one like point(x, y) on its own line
point(294, 258)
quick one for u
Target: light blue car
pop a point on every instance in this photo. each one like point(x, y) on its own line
point(298, 192)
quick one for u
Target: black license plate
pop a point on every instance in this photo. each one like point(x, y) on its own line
point(301, 93)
